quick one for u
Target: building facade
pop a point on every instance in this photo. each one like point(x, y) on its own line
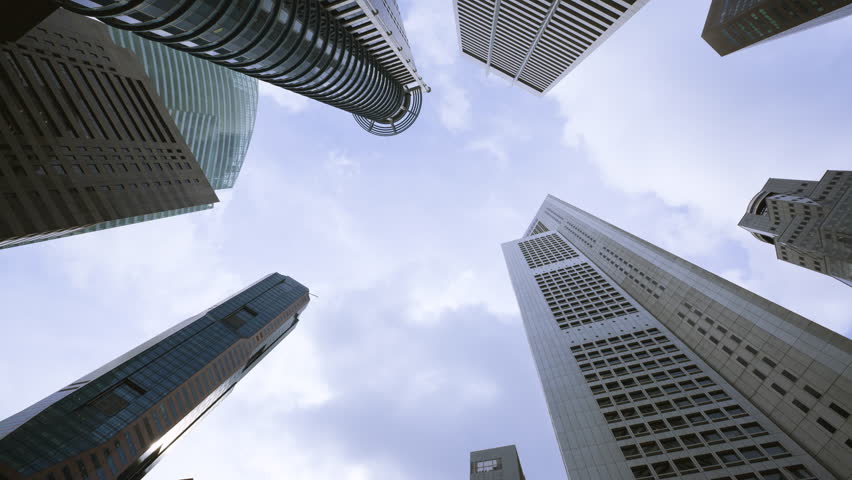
point(654, 368)
point(736, 24)
point(535, 44)
point(350, 54)
point(115, 422)
point(213, 107)
point(84, 137)
point(501, 463)
point(808, 222)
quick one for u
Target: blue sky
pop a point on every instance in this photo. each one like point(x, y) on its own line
point(414, 354)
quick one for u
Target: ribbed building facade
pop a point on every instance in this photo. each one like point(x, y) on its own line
point(84, 137)
point(736, 24)
point(536, 43)
point(350, 54)
point(808, 222)
point(654, 368)
point(117, 421)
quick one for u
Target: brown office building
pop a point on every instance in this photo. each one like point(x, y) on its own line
point(84, 137)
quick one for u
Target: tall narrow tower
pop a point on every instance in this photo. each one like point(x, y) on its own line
point(350, 54)
point(115, 422)
point(534, 43)
point(654, 368)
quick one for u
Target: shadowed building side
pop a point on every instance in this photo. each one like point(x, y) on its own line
point(117, 421)
point(84, 137)
point(736, 24)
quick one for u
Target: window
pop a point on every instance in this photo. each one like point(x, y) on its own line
point(753, 429)
point(118, 449)
point(826, 425)
point(813, 392)
point(729, 457)
point(837, 409)
point(752, 454)
point(110, 463)
point(488, 465)
point(775, 450)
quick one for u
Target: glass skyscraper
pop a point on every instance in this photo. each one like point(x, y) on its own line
point(654, 368)
point(736, 24)
point(213, 107)
point(352, 55)
point(115, 422)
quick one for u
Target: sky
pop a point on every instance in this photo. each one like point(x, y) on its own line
point(413, 352)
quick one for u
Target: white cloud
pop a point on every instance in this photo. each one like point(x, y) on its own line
point(432, 36)
point(293, 102)
point(454, 105)
point(493, 146)
point(341, 164)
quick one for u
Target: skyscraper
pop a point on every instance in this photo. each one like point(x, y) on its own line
point(533, 43)
point(213, 107)
point(655, 368)
point(501, 463)
point(118, 420)
point(350, 54)
point(736, 24)
point(808, 222)
point(84, 138)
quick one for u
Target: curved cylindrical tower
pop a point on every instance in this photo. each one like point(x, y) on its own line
point(306, 46)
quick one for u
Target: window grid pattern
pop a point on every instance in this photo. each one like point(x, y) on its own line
point(664, 410)
point(536, 42)
point(578, 295)
point(83, 143)
point(829, 415)
point(546, 250)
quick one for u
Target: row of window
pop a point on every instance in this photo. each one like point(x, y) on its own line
point(709, 462)
point(648, 409)
point(691, 441)
point(637, 349)
point(580, 235)
point(668, 424)
point(645, 366)
point(652, 283)
point(617, 340)
point(93, 168)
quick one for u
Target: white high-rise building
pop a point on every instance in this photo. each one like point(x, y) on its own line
point(654, 368)
point(535, 43)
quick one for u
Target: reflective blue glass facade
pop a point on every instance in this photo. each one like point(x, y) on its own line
point(116, 421)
